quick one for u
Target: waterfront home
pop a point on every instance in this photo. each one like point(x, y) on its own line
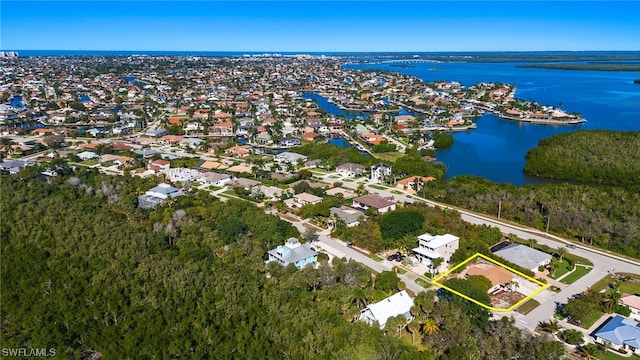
point(620, 333)
point(382, 205)
point(633, 303)
point(439, 246)
point(380, 172)
point(350, 170)
point(311, 136)
point(371, 138)
point(524, 256)
point(157, 195)
point(290, 158)
point(293, 252)
point(397, 304)
point(239, 151)
point(290, 141)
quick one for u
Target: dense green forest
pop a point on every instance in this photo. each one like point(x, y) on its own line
point(595, 156)
point(86, 272)
point(605, 216)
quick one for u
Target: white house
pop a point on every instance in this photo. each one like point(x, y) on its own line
point(432, 247)
point(528, 258)
point(181, 174)
point(293, 252)
point(396, 304)
point(379, 172)
point(158, 195)
point(621, 333)
point(633, 302)
point(350, 170)
point(214, 179)
point(290, 157)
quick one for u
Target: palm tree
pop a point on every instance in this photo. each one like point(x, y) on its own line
point(561, 252)
point(429, 327)
point(413, 327)
point(611, 298)
point(591, 351)
point(551, 326)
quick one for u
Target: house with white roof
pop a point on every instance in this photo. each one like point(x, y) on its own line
point(350, 170)
point(157, 195)
point(633, 303)
point(290, 157)
point(396, 304)
point(439, 246)
point(293, 252)
point(621, 333)
point(214, 178)
point(524, 256)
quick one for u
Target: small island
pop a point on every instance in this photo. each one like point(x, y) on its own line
point(636, 81)
point(499, 99)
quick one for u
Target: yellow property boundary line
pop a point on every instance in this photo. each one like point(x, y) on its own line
point(542, 285)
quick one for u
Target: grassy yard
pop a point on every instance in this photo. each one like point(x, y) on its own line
point(389, 156)
point(579, 272)
point(595, 315)
point(528, 306)
point(610, 355)
point(561, 269)
point(379, 187)
point(319, 171)
point(400, 270)
point(631, 287)
point(423, 283)
point(375, 257)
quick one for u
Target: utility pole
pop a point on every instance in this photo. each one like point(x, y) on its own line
point(548, 218)
point(499, 208)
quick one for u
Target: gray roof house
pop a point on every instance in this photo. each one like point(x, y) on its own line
point(350, 169)
point(293, 252)
point(350, 217)
point(157, 195)
point(289, 157)
point(524, 256)
point(14, 166)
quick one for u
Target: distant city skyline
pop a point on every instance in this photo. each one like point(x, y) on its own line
point(325, 26)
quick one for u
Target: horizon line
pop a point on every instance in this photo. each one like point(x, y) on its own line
point(328, 51)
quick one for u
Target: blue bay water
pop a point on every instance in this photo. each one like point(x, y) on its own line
point(496, 149)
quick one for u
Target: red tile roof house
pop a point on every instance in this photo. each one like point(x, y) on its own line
point(222, 128)
point(413, 183)
point(158, 165)
point(382, 205)
point(171, 139)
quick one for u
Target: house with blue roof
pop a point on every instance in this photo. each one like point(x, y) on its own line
point(293, 252)
point(621, 333)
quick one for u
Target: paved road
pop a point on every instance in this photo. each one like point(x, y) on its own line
point(340, 249)
point(604, 262)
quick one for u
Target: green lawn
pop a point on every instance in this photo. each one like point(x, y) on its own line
point(378, 187)
point(611, 355)
point(528, 306)
point(319, 171)
point(375, 257)
point(631, 287)
point(579, 272)
point(400, 270)
point(595, 315)
point(423, 283)
point(561, 269)
point(389, 156)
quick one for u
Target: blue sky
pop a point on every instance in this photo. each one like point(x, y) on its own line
point(299, 26)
